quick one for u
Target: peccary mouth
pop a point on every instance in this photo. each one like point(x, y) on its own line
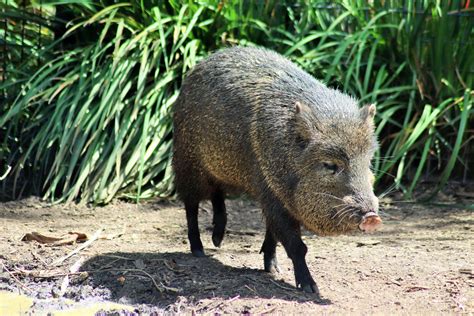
point(370, 222)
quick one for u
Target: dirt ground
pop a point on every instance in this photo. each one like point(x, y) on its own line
point(422, 262)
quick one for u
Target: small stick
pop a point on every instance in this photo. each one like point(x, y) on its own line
point(152, 280)
point(281, 286)
point(111, 263)
point(73, 269)
point(120, 257)
point(248, 287)
point(271, 309)
point(171, 268)
point(170, 289)
point(15, 278)
point(39, 258)
point(80, 248)
point(160, 289)
point(205, 306)
point(228, 301)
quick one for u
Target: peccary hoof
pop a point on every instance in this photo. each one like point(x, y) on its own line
point(217, 236)
point(310, 288)
point(271, 266)
point(199, 253)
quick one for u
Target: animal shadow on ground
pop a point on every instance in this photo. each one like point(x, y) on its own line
point(164, 278)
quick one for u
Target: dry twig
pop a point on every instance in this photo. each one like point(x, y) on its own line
point(80, 248)
point(252, 290)
point(39, 258)
point(15, 278)
point(281, 286)
point(73, 269)
point(266, 311)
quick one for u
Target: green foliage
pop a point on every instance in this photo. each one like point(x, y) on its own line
point(91, 119)
point(22, 32)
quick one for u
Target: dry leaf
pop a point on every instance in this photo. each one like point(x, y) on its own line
point(70, 238)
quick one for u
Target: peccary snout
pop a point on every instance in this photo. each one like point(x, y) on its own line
point(364, 210)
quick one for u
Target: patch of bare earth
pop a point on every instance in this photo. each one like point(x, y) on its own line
point(421, 262)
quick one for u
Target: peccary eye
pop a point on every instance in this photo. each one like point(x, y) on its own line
point(301, 142)
point(331, 167)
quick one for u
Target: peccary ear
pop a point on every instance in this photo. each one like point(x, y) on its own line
point(301, 108)
point(303, 123)
point(367, 113)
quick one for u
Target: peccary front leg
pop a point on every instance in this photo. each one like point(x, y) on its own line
point(193, 228)
point(287, 231)
point(219, 219)
point(269, 253)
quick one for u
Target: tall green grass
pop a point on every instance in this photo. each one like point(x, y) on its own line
point(24, 29)
point(94, 121)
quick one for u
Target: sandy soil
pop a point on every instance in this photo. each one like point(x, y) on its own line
point(421, 262)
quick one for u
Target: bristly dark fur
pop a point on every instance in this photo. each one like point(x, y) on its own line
point(249, 120)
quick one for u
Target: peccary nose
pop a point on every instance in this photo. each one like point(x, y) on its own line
point(370, 222)
point(370, 219)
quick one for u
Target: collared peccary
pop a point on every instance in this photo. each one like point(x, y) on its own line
point(248, 120)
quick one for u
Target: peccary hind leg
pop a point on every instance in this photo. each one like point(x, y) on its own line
point(287, 231)
point(269, 253)
point(219, 219)
point(193, 228)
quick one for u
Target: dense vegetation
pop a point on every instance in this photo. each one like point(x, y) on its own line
point(87, 87)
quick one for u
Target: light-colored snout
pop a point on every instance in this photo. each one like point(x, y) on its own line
point(367, 208)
